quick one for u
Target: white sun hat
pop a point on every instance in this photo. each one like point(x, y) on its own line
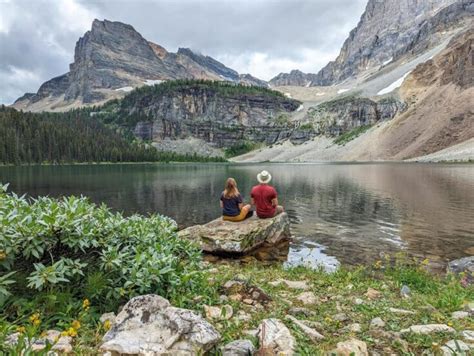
point(264, 177)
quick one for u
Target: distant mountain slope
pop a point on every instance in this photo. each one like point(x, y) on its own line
point(113, 58)
point(387, 31)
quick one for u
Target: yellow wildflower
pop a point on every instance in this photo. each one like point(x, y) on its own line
point(72, 332)
point(21, 329)
point(450, 323)
point(327, 319)
point(64, 333)
point(76, 324)
point(378, 264)
point(425, 262)
point(86, 304)
point(35, 319)
point(2, 255)
point(107, 325)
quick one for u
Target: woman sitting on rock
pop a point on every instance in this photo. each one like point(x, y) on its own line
point(233, 208)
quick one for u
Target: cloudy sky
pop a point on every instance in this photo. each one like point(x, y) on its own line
point(261, 37)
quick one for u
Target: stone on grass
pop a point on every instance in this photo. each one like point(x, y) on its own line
point(218, 313)
point(243, 316)
point(428, 329)
point(291, 284)
point(468, 335)
point(352, 347)
point(372, 293)
point(276, 338)
point(455, 348)
point(358, 301)
point(340, 317)
point(377, 323)
point(401, 311)
point(312, 334)
point(405, 291)
point(295, 311)
point(307, 298)
point(463, 265)
point(219, 236)
point(108, 316)
point(148, 324)
point(238, 348)
point(354, 328)
point(460, 314)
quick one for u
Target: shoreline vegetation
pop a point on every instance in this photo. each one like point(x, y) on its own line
point(65, 262)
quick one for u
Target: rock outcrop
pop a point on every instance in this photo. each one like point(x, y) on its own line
point(221, 115)
point(295, 77)
point(224, 237)
point(341, 115)
point(275, 338)
point(112, 59)
point(148, 325)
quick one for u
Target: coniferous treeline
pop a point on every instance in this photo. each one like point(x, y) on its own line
point(70, 137)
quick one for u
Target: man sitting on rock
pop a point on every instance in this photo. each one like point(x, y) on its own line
point(265, 198)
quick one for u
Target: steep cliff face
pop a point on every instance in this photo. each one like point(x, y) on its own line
point(220, 114)
point(113, 58)
point(385, 29)
point(336, 117)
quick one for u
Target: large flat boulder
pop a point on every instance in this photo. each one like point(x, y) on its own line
point(225, 237)
point(149, 325)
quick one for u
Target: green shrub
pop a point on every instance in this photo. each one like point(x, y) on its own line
point(241, 148)
point(49, 247)
point(350, 135)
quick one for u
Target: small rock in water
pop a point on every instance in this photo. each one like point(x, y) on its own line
point(405, 292)
point(372, 293)
point(276, 338)
point(377, 323)
point(401, 311)
point(455, 348)
point(351, 347)
point(307, 298)
point(238, 348)
point(460, 314)
point(428, 329)
point(468, 335)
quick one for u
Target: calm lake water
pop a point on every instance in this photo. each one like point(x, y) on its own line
point(340, 213)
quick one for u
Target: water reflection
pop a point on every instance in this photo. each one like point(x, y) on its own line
point(348, 212)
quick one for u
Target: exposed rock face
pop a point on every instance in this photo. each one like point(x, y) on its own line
point(295, 77)
point(248, 79)
point(148, 324)
point(387, 31)
point(338, 116)
point(219, 236)
point(112, 58)
point(221, 119)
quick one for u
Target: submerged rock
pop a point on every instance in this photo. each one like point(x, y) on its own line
point(463, 265)
point(148, 324)
point(225, 237)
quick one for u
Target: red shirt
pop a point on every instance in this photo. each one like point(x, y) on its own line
point(263, 194)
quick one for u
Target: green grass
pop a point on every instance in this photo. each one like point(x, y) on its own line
point(350, 135)
point(241, 148)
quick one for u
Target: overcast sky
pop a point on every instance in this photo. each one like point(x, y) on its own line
point(261, 37)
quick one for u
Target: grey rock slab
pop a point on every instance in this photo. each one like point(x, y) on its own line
point(311, 333)
point(377, 323)
point(455, 348)
point(276, 337)
point(219, 236)
point(401, 311)
point(149, 324)
point(428, 329)
point(238, 348)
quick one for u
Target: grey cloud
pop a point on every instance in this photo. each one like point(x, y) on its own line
point(42, 41)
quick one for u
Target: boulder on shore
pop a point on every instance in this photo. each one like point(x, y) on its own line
point(463, 265)
point(148, 325)
point(225, 237)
